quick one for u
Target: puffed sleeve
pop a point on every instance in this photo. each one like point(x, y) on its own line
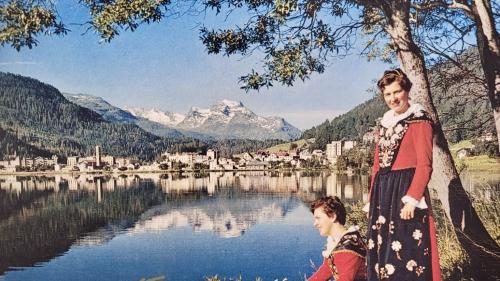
point(422, 141)
point(347, 265)
point(324, 273)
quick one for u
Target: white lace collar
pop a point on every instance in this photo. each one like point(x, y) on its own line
point(331, 242)
point(390, 118)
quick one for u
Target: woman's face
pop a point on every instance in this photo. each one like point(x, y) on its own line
point(396, 97)
point(322, 222)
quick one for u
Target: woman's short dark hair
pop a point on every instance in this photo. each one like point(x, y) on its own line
point(331, 206)
point(391, 76)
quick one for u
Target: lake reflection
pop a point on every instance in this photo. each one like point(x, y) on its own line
point(183, 226)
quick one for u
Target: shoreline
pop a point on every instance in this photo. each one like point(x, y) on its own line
point(97, 173)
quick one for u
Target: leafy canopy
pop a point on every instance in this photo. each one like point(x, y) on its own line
point(296, 36)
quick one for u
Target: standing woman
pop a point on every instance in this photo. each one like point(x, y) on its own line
point(401, 233)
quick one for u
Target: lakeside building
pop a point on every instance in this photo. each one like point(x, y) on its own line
point(188, 161)
point(317, 153)
point(90, 163)
point(338, 148)
point(15, 163)
point(305, 155)
point(212, 154)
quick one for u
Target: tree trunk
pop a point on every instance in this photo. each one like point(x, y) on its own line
point(483, 251)
point(489, 52)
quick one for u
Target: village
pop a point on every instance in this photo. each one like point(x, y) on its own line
point(297, 158)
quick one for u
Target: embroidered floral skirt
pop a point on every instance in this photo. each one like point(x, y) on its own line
point(397, 249)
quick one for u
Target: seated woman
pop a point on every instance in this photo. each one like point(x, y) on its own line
point(344, 257)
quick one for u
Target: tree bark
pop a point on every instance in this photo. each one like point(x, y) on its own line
point(489, 53)
point(483, 251)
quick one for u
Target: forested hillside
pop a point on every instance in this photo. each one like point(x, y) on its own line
point(459, 96)
point(10, 145)
point(349, 126)
point(39, 117)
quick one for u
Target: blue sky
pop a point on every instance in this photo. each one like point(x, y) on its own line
point(165, 66)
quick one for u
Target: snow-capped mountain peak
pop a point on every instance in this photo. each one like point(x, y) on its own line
point(232, 119)
point(224, 119)
point(102, 107)
point(231, 103)
point(170, 119)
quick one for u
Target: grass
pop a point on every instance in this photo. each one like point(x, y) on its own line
point(474, 163)
point(453, 259)
point(479, 163)
point(285, 146)
point(454, 147)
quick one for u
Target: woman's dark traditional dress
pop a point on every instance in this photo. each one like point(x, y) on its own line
point(402, 249)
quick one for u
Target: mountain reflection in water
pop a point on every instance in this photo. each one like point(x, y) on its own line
point(42, 218)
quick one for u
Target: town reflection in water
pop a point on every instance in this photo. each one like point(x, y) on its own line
point(43, 217)
point(350, 188)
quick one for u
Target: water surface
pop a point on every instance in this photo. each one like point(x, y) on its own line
point(182, 226)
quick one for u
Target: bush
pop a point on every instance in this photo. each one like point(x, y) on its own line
point(489, 148)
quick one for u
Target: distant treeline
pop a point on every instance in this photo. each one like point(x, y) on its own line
point(226, 147)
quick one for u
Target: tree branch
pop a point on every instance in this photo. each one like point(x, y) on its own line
point(426, 6)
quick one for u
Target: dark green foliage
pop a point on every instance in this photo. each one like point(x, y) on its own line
point(42, 118)
point(194, 145)
point(489, 148)
point(22, 21)
point(360, 158)
point(10, 145)
point(460, 97)
point(226, 148)
point(312, 163)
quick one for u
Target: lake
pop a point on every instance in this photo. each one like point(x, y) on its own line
point(181, 226)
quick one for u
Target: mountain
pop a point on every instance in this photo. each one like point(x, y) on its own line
point(38, 119)
point(163, 117)
point(114, 114)
point(102, 107)
point(224, 120)
point(230, 119)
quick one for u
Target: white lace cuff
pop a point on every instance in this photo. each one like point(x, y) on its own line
point(366, 208)
point(412, 201)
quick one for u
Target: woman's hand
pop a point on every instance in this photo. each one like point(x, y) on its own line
point(407, 212)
